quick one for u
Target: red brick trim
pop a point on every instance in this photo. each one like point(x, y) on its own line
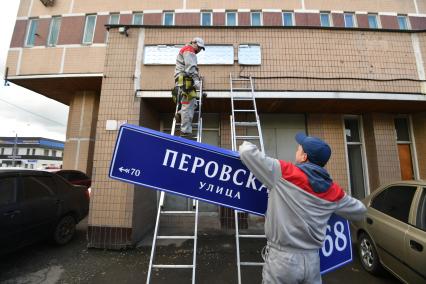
point(218, 19)
point(389, 22)
point(19, 33)
point(187, 19)
point(417, 23)
point(272, 19)
point(72, 29)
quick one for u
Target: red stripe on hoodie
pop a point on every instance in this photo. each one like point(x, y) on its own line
point(297, 177)
point(187, 48)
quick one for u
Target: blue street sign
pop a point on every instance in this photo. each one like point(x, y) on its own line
point(184, 167)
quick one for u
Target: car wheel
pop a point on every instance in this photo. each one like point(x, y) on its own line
point(368, 255)
point(64, 230)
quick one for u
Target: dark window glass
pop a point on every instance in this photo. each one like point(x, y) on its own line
point(7, 190)
point(352, 130)
point(401, 126)
point(395, 201)
point(34, 188)
point(421, 212)
point(356, 171)
point(206, 19)
point(61, 186)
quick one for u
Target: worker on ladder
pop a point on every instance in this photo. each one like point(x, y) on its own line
point(187, 82)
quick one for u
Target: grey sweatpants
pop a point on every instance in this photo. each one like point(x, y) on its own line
point(291, 266)
point(187, 114)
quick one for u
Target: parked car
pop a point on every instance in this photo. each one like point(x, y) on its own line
point(393, 233)
point(74, 177)
point(36, 205)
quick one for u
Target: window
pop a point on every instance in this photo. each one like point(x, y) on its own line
point(169, 19)
point(7, 190)
point(372, 21)
point(325, 20)
point(401, 128)
point(395, 201)
point(137, 19)
point(89, 29)
point(32, 32)
point(2, 151)
point(231, 19)
point(421, 212)
point(206, 18)
point(287, 19)
point(54, 153)
point(349, 20)
point(355, 157)
point(46, 152)
point(34, 150)
point(34, 189)
point(114, 19)
point(402, 22)
point(55, 25)
point(28, 151)
point(256, 19)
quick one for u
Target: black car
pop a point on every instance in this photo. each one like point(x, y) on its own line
point(74, 177)
point(36, 205)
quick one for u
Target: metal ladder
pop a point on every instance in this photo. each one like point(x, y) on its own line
point(241, 94)
point(161, 210)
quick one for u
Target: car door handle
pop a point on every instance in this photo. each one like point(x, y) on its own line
point(369, 220)
point(11, 213)
point(416, 246)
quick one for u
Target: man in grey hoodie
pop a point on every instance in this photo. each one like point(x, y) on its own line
point(302, 197)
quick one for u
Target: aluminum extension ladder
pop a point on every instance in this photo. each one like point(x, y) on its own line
point(239, 95)
point(197, 125)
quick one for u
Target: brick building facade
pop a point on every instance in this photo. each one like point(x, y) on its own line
point(352, 73)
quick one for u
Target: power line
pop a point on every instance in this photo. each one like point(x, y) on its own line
point(33, 113)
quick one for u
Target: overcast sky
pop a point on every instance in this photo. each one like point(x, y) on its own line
point(24, 112)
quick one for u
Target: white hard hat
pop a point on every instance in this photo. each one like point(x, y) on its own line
point(199, 41)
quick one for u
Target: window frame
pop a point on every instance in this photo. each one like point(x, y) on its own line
point(211, 18)
point(236, 18)
point(52, 21)
point(29, 26)
point(377, 18)
point(328, 14)
point(407, 22)
point(85, 29)
point(292, 18)
point(164, 18)
point(137, 14)
point(363, 153)
point(260, 18)
point(111, 15)
point(353, 19)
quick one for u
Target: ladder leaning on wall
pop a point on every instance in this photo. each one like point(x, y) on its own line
point(197, 125)
point(243, 103)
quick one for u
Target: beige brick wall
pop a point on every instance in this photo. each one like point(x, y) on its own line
point(84, 60)
point(330, 128)
point(82, 6)
point(112, 201)
point(81, 133)
point(419, 127)
point(244, 4)
point(59, 8)
point(24, 7)
point(301, 53)
point(403, 7)
point(12, 61)
point(381, 149)
point(41, 61)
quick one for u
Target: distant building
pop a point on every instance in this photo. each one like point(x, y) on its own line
point(31, 152)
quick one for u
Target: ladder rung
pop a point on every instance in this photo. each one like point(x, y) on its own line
point(252, 236)
point(240, 89)
point(175, 237)
point(177, 212)
point(242, 99)
point(172, 266)
point(247, 137)
point(252, 263)
point(240, 79)
point(245, 123)
point(244, 110)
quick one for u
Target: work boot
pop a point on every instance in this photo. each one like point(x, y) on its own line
point(185, 134)
point(177, 117)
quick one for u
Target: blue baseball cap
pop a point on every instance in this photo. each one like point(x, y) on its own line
point(317, 150)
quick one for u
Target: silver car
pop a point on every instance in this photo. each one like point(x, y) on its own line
point(393, 233)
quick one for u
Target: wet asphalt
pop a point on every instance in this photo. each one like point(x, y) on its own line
point(216, 263)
